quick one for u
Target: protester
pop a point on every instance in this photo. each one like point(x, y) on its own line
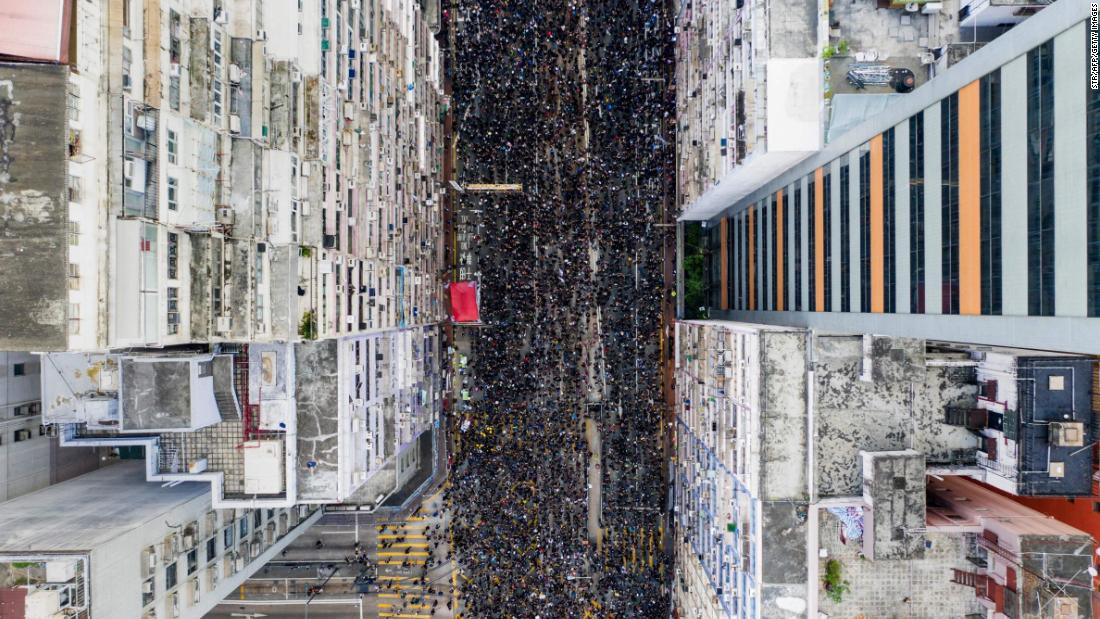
point(568, 98)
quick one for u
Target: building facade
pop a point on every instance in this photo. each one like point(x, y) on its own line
point(798, 448)
point(967, 211)
point(111, 545)
point(30, 452)
point(212, 194)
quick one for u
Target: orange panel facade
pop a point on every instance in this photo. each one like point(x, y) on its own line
point(970, 240)
point(777, 277)
point(877, 305)
point(723, 269)
point(819, 240)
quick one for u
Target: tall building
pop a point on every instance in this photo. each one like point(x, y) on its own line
point(820, 473)
point(211, 207)
point(967, 210)
point(110, 545)
point(762, 87)
point(30, 453)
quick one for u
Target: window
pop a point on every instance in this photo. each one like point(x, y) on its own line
point(74, 233)
point(916, 213)
point(242, 527)
point(845, 239)
point(827, 235)
point(174, 92)
point(1092, 174)
point(798, 246)
point(865, 229)
point(211, 549)
point(173, 194)
point(173, 310)
point(227, 537)
point(192, 561)
point(173, 255)
point(76, 188)
point(19, 369)
point(173, 37)
point(22, 435)
point(257, 518)
point(148, 592)
point(74, 276)
point(990, 174)
point(889, 219)
point(1040, 180)
point(172, 146)
point(773, 246)
point(949, 201)
point(170, 576)
point(74, 318)
point(217, 88)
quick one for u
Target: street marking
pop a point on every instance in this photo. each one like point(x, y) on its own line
point(405, 616)
point(404, 554)
point(410, 536)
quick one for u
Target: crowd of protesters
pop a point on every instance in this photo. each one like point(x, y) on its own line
point(570, 99)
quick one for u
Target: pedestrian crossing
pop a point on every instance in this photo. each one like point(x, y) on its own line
point(414, 576)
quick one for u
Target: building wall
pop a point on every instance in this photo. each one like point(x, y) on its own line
point(33, 207)
point(1006, 171)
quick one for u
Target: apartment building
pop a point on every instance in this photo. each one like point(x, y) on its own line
point(762, 86)
point(203, 195)
point(797, 447)
point(110, 545)
point(966, 211)
point(30, 453)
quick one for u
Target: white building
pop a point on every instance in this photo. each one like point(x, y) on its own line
point(29, 452)
point(109, 545)
point(218, 189)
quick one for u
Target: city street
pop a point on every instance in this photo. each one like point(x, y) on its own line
point(406, 562)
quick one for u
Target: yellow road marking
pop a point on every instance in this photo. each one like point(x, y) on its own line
point(404, 554)
point(409, 545)
point(404, 616)
point(395, 578)
point(409, 536)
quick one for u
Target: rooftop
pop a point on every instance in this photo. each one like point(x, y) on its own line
point(83, 513)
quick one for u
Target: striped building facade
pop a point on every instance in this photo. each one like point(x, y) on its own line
point(971, 210)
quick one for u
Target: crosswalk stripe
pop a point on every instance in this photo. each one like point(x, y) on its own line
point(409, 536)
point(404, 616)
point(405, 554)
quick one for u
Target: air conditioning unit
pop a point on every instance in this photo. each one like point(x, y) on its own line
point(261, 35)
point(238, 564)
point(151, 561)
point(174, 70)
point(188, 541)
point(225, 215)
point(295, 76)
point(351, 184)
point(128, 169)
point(147, 586)
point(225, 324)
point(234, 124)
point(351, 221)
point(234, 74)
point(355, 4)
